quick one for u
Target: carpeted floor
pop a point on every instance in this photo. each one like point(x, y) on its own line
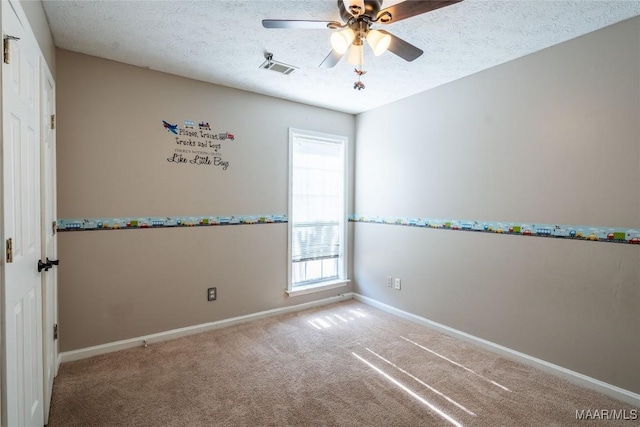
point(345, 364)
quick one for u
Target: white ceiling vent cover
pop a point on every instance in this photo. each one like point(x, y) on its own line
point(276, 66)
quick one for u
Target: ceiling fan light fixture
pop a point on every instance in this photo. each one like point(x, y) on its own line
point(341, 40)
point(378, 41)
point(355, 54)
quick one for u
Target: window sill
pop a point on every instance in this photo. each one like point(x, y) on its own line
point(317, 287)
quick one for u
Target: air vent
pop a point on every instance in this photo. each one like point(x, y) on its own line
point(276, 66)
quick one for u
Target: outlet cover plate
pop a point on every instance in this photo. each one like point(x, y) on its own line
point(212, 294)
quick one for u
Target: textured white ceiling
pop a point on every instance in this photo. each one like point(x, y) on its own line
point(223, 42)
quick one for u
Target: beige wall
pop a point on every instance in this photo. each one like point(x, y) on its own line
point(40, 26)
point(112, 162)
point(549, 138)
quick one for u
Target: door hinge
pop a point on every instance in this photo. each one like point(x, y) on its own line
point(7, 40)
point(54, 226)
point(55, 332)
point(9, 248)
point(53, 121)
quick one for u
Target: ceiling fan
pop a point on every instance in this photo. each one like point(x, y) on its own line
point(358, 17)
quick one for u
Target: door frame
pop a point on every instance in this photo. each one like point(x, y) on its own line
point(46, 78)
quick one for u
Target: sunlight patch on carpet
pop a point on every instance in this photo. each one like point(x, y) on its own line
point(312, 323)
point(327, 321)
point(409, 391)
point(357, 313)
point(456, 363)
point(330, 319)
point(341, 318)
point(419, 381)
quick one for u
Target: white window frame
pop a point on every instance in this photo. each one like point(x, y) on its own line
point(341, 280)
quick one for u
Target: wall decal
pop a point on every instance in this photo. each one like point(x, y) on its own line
point(197, 146)
point(132, 223)
point(170, 128)
point(575, 232)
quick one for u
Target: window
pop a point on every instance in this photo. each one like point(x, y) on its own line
point(317, 211)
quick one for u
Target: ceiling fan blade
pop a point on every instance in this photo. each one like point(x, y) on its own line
point(410, 8)
point(403, 49)
point(304, 24)
point(331, 60)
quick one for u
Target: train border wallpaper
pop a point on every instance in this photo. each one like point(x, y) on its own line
point(574, 232)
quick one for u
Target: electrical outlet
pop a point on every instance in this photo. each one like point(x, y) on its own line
point(390, 281)
point(397, 284)
point(212, 294)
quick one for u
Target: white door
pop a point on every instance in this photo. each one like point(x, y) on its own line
point(23, 397)
point(49, 247)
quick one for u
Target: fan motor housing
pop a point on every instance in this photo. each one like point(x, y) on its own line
point(371, 9)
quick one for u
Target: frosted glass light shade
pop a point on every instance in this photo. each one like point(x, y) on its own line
point(355, 54)
point(341, 40)
point(378, 41)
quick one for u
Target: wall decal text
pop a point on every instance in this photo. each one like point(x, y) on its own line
point(197, 145)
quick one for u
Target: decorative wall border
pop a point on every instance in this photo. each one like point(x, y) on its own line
point(574, 232)
point(133, 223)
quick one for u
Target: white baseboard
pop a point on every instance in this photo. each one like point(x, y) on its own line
point(572, 376)
point(83, 353)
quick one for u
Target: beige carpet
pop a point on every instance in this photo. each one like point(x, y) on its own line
point(346, 364)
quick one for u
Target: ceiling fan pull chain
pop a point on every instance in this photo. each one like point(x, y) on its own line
point(359, 85)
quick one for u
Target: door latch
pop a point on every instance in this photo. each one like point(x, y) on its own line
point(43, 266)
point(47, 264)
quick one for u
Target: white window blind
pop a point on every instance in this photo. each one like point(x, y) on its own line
point(317, 208)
